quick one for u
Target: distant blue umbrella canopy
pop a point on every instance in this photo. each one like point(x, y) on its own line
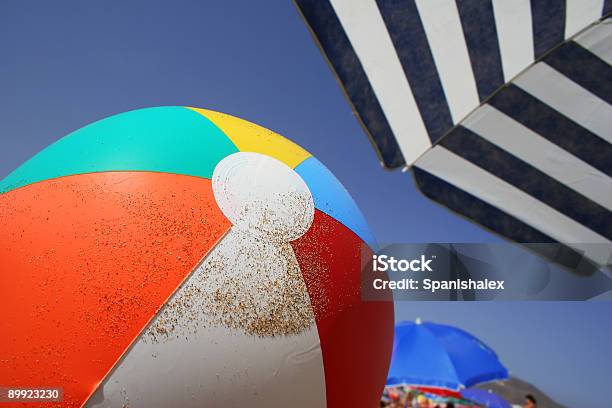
point(485, 398)
point(437, 355)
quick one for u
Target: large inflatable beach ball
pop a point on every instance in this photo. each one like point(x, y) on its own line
point(180, 257)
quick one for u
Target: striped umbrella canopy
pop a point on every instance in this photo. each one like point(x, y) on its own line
point(501, 109)
point(176, 256)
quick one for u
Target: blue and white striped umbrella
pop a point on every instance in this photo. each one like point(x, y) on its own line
point(501, 108)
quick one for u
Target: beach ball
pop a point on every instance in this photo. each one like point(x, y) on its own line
point(180, 257)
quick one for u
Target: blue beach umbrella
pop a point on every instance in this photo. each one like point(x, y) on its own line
point(485, 398)
point(436, 355)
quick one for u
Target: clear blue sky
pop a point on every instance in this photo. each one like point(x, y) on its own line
point(64, 64)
